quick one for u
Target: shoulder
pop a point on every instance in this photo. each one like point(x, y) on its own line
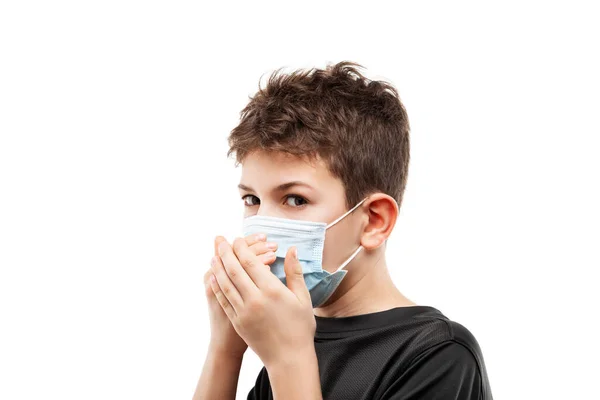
point(437, 328)
point(442, 332)
point(455, 360)
point(422, 332)
point(463, 337)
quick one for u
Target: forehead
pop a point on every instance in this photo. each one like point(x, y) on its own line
point(272, 168)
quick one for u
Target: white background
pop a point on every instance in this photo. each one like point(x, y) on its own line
point(114, 180)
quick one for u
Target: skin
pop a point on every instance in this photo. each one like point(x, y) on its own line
point(252, 299)
point(226, 348)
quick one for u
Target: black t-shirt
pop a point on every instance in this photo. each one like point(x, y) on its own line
point(402, 353)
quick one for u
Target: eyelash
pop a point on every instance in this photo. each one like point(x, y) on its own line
point(305, 202)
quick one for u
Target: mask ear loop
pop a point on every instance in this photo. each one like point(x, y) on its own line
point(346, 214)
point(349, 258)
point(359, 247)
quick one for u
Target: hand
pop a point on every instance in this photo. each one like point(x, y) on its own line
point(223, 337)
point(276, 321)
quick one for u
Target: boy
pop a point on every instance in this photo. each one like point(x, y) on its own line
point(324, 157)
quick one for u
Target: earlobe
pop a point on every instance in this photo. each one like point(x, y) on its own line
point(382, 212)
point(372, 242)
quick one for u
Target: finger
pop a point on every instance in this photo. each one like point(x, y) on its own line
point(218, 241)
point(221, 298)
point(256, 238)
point(236, 274)
point(227, 287)
point(207, 276)
point(268, 258)
point(235, 271)
point(263, 247)
point(252, 265)
point(207, 288)
point(258, 244)
point(265, 251)
point(294, 276)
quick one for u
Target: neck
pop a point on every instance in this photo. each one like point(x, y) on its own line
point(367, 288)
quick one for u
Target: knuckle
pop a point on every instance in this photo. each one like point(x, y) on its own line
point(232, 273)
point(256, 248)
point(255, 305)
point(242, 320)
point(248, 263)
point(225, 304)
point(273, 294)
point(219, 297)
point(216, 288)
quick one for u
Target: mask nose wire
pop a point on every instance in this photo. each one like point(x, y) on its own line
point(345, 214)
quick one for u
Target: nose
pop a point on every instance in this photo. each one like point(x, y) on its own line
point(269, 210)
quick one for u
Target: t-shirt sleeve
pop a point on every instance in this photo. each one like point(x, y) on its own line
point(262, 387)
point(446, 371)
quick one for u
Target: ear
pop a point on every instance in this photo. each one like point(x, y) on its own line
point(382, 211)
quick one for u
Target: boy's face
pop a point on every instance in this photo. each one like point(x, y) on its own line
point(280, 185)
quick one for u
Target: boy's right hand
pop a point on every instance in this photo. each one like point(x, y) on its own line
point(223, 338)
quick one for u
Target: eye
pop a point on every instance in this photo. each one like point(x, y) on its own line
point(295, 201)
point(250, 200)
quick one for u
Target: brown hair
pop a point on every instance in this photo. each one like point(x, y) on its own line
point(357, 126)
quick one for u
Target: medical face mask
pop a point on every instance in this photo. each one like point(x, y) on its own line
point(309, 238)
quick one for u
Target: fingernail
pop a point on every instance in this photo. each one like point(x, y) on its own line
point(261, 237)
point(213, 279)
point(271, 246)
point(213, 261)
point(295, 253)
point(268, 256)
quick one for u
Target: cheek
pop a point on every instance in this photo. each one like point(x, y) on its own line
point(339, 245)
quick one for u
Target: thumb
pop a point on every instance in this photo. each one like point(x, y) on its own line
point(294, 276)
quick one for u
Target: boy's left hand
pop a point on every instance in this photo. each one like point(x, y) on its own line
point(276, 321)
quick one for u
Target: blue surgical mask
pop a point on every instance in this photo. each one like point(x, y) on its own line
point(309, 238)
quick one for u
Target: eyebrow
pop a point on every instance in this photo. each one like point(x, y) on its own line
point(280, 188)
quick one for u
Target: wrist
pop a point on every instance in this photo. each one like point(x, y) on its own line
point(225, 353)
point(291, 360)
point(304, 368)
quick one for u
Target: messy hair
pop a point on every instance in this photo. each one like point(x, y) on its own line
point(356, 125)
